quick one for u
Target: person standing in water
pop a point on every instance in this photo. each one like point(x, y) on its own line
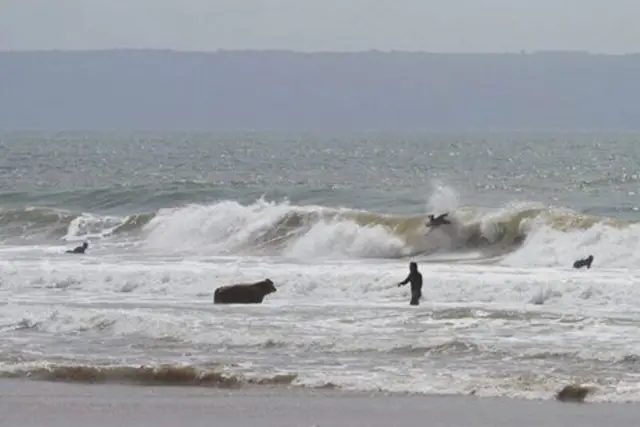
point(415, 278)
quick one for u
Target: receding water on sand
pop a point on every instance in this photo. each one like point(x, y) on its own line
point(53, 405)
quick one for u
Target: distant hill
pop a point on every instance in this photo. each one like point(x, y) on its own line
point(138, 89)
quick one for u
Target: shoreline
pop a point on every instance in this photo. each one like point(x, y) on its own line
point(27, 403)
point(212, 378)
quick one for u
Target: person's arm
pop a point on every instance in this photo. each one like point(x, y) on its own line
point(405, 281)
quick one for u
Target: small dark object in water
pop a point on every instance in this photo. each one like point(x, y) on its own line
point(435, 221)
point(585, 262)
point(79, 249)
point(243, 293)
point(573, 393)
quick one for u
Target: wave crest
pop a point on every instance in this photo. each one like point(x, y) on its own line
point(168, 375)
point(34, 223)
point(271, 228)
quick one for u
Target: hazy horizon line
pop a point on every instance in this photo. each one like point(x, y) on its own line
point(312, 52)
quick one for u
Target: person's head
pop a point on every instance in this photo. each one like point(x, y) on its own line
point(413, 266)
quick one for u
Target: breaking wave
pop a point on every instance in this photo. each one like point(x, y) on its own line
point(523, 232)
point(167, 375)
point(36, 223)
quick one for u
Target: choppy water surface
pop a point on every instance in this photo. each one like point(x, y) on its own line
point(333, 220)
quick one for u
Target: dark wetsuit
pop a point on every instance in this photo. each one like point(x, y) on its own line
point(439, 220)
point(78, 250)
point(583, 262)
point(415, 278)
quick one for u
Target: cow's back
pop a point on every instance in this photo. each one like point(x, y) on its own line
point(240, 294)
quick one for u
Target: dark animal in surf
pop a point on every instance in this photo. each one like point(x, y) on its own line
point(573, 393)
point(244, 293)
point(586, 262)
point(79, 250)
point(435, 221)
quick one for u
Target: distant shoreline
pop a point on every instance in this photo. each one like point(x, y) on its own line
point(312, 91)
point(523, 52)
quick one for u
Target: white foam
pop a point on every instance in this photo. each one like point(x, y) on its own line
point(443, 198)
point(229, 227)
point(89, 226)
point(611, 247)
point(338, 315)
point(335, 321)
point(346, 238)
point(223, 227)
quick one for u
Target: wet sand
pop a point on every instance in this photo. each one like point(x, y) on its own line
point(31, 403)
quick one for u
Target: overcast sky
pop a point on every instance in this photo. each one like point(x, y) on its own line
point(336, 25)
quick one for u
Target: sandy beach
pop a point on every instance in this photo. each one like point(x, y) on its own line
point(36, 404)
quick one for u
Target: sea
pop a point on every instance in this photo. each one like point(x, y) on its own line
point(333, 219)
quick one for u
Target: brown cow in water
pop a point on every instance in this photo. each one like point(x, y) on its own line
point(243, 293)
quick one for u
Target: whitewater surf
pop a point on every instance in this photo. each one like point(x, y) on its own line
point(268, 228)
point(334, 225)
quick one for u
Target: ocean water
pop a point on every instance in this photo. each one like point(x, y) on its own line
point(333, 220)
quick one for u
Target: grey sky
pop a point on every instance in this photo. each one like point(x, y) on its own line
point(338, 25)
